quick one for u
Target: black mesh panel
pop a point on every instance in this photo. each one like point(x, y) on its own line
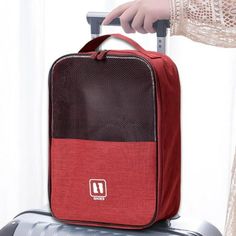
point(109, 100)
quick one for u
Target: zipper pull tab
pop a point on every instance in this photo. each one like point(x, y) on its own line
point(94, 55)
point(101, 55)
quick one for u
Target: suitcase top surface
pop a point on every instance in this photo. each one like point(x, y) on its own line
point(35, 223)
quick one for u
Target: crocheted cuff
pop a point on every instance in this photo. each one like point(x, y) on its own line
point(176, 14)
point(211, 22)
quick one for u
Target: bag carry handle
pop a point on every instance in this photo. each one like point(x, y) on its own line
point(96, 42)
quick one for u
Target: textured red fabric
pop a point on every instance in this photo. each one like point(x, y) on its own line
point(169, 145)
point(129, 169)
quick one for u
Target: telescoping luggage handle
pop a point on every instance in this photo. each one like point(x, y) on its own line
point(95, 20)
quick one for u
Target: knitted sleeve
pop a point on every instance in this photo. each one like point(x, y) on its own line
point(208, 21)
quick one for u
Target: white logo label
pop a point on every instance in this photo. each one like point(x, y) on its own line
point(98, 189)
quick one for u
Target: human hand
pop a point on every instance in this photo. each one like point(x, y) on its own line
point(139, 15)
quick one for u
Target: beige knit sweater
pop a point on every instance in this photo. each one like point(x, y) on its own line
point(208, 21)
point(211, 22)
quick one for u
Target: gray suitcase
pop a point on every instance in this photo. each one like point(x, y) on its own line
point(41, 223)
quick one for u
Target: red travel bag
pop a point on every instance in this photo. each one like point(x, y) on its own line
point(114, 137)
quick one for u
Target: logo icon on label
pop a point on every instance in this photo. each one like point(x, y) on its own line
point(98, 189)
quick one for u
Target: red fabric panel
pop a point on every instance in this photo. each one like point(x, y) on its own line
point(169, 137)
point(128, 168)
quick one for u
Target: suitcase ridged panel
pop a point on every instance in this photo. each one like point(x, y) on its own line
point(36, 223)
point(54, 229)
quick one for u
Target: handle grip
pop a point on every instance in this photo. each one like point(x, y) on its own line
point(96, 42)
point(95, 20)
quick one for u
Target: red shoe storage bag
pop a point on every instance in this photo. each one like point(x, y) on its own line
point(114, 137)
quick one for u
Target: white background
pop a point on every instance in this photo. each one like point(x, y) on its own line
point(34, 33)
